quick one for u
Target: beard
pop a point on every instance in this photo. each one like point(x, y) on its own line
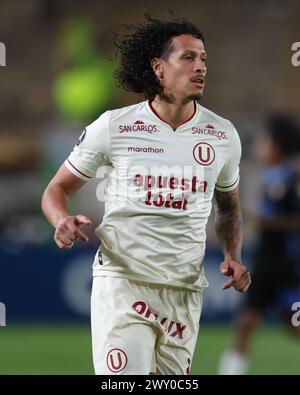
point(195, 96)
point(169, 97)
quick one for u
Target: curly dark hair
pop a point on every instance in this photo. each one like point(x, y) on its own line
point(150, 40)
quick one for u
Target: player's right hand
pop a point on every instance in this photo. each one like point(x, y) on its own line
point(68, 230)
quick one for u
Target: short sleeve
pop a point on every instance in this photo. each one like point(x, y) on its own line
point(91, 150)
point(228, 178)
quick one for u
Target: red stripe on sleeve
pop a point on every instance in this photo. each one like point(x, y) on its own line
point(79, 170)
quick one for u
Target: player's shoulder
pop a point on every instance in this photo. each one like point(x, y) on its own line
point(124, 112)
point(106, 119)
point(213, 118)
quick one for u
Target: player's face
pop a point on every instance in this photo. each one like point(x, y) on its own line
point(185, 69)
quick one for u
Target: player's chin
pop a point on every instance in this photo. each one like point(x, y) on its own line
point(196, 96)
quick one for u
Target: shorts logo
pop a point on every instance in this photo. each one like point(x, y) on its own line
point(172, 328)
point(204, 154)
point(116, 360)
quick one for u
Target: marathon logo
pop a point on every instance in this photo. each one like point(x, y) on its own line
point(209, 130)
point(172, 328)
point(138, 126)
point(150, 150)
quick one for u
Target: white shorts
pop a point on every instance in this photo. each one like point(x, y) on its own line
point(139, 328)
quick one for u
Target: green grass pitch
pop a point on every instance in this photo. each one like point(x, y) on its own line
point(66, 349)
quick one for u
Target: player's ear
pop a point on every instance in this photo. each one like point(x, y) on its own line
point(157, 67)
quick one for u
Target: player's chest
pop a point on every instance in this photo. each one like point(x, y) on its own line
point(192, 147)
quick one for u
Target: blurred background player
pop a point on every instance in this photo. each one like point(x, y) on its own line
point(276, 270)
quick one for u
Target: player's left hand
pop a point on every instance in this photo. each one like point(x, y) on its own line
point(240, 277)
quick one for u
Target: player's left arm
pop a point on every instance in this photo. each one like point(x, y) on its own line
point(229, 229)
point(228, 218)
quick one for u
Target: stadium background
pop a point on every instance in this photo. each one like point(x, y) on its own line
point(58, 77)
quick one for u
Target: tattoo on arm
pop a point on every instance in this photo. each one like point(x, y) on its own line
point(229, 223)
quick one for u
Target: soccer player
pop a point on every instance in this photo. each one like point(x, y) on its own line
point(276, 271)
point(169, 156)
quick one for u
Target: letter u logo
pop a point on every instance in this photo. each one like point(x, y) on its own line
point(116, 360)
point(118, 364)
point(204, 154)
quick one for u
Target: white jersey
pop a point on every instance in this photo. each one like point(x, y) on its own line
point(160, 190)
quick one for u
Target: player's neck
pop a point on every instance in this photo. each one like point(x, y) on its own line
point(172, 112)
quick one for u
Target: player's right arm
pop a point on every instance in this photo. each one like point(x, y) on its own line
point(55, 203)
point(91, 151)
